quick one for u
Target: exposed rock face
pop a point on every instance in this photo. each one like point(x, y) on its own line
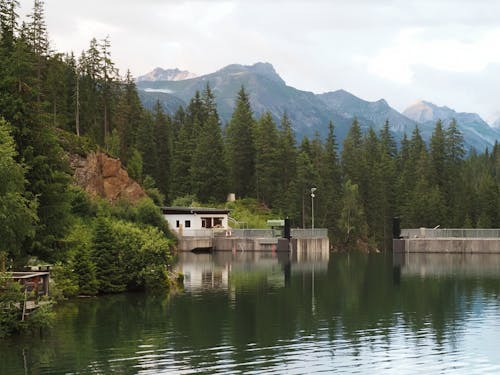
point(103, 176)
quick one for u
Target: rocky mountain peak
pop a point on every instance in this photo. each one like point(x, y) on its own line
point(262, 69)
point(160, 74)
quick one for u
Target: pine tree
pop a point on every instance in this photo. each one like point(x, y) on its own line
point(299, 204)
point(351, 158)
point(39, 43)
point(267, 163)
point(164, 146)
point(107, 258)
point(240, 147)
point(330, 189)
point(370, 184)
point(17, 211)
point(209, 105)
point(128, 117)
point(388, 178)
point(454, 185)
point(85, 270)
point(438, 155)
point(287, 161)
point(146, 145)
point(208, 169)
point(108, 74)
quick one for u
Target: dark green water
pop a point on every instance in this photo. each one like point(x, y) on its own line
point(262, 313)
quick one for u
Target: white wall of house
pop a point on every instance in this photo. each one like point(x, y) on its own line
point(194, 222)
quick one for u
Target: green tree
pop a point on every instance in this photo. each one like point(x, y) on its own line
point(299, 205)
point(164, 145)
point(267, 161)
point(352, 222)
point(287, 154)
point(107, 258)
point(438, 156)
point(240, 147)
point(330, 188)
point(388, 180)
point(128, 118)
point(208, 169)
point(146, 145)
point(134, 166)
point(351, 158)
point(17, 212)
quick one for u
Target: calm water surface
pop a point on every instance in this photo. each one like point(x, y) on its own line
point(262, 313)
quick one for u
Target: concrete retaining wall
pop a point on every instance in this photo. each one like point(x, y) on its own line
point(447, 245)
point(249, 244)
point(253, 244)
point(190, 243)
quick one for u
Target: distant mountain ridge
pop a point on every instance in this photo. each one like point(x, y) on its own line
point(310, 113)
point(477, 133)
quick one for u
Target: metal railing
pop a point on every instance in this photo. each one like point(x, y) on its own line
point(450, 233)
point(309, 233)
point(252, 233)
point(255, 233)
point(239, 224)
point(197, 233)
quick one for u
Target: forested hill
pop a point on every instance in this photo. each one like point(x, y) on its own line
point(55, 108)
point(54, 105)
point(308, 112)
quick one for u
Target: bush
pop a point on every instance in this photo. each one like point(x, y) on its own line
point(64, 281)
point(10, 315)
point(42, 318)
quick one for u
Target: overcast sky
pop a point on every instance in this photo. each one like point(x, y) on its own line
point(443, 51)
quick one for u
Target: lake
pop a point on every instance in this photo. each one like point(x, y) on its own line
point(315, 312)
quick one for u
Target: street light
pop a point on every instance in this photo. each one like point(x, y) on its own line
point(313, 189)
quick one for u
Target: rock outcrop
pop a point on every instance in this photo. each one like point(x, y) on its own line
point(103, 176)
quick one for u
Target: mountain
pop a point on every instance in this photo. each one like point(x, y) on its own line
point(159, 74)
point(373, 114)
point(170, 103)
point(310, 113)
point(477, 133)
point(496, 124)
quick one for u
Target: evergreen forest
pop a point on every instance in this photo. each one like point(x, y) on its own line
point(56, 104)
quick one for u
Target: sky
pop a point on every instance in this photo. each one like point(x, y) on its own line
point(443, 51)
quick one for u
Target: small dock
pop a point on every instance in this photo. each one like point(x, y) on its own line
point(458, 241)
point(35, 284)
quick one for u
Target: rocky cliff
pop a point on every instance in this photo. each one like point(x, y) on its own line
point(103, 176)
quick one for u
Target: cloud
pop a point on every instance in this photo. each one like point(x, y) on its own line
point(415, 47)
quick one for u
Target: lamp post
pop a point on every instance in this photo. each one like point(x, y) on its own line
point(313, 189)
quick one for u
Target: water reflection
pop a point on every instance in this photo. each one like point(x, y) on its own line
point(459, 265)
point(284, 313)
point(226, 269)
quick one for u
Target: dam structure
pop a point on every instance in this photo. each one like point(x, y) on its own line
point(200, 228)
point(442, 240)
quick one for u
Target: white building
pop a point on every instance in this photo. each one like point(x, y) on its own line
point(193, 221)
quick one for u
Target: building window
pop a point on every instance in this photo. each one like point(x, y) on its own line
point(206, 222)
point(217, 222)
point(177, 223)
point(187, 223)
